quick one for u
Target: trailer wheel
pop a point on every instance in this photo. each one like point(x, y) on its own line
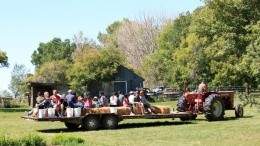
point(214, 108)
point(110, 122)
point(71, 126)
point(239, 111)
point(91, 123)
point(181, 104)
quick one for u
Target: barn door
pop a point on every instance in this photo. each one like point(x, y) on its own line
point(120, 86)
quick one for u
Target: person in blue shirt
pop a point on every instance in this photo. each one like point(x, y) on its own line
point(71, 98)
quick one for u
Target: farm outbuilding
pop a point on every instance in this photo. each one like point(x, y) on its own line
point(36, 87)
point(124, 80)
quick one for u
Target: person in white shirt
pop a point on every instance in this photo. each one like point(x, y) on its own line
point(114, 100)
point(131, 99)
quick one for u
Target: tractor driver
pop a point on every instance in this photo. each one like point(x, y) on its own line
point(202, 87)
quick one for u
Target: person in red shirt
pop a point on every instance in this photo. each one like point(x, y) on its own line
point(56, 100)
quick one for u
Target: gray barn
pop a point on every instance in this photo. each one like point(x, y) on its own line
point(124, 80)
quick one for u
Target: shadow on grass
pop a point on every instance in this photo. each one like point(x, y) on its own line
point(227, 118)
point(122, 126)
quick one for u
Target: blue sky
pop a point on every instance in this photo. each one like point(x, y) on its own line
point(24, 24)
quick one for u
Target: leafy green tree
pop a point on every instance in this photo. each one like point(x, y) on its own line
point(222, 24)
point(216, 44)
point(54, 50)
point(3, 59)
point(158, 67)
point(109, 38)
point(93, 65)
point(18, 84)
point(249, 66)
point(52, 72)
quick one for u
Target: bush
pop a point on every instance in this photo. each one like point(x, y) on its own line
point(14, 109)
point(30, 140)
point(13, 103)
point(66, 140)
point(247, 99)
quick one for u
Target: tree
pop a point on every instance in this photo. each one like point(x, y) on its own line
point(108, 39)
point(137, 39)
point(134, 38)
point(249, 66)
point(216, 44)
point(18, 80)
point(222, 24)
point(52, 72)
point(3, 59)
point(82, 42)
point(158, 67)
point(93, 65)
point(5, 93)
point(54, 50)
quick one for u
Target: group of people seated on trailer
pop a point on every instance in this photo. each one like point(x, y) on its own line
point(61, 102)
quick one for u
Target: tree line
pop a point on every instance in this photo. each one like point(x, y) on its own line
point(218, 43)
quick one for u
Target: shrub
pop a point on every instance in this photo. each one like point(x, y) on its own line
point(13, 103)
point(13, 109)
point(247, 99)
point(66, 140)
point(30, 140)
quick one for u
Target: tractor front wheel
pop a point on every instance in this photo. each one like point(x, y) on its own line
point(239, 111)
point(214, 108)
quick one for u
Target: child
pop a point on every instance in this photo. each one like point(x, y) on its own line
point(87, 101)
point(125, 101)
point(96, 102)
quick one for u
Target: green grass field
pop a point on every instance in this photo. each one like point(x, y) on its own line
point(231, 131)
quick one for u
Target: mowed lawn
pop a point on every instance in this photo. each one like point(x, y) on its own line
point(239, 132)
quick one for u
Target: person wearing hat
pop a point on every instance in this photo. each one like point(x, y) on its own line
point(95, 102)
point(203, 87)
point(71, 98)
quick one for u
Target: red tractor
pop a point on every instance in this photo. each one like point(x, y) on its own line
point(212, 104)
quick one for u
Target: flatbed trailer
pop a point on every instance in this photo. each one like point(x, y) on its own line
point(106, 120)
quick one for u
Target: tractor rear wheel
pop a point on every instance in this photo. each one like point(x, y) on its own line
point(214, 108)
point(71, 126)
point(181, 104)
point(239, 111)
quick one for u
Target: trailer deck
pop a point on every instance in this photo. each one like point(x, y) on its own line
point(145, 116)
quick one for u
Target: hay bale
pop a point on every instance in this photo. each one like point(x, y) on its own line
point(123, 110)
point(102, 110)
point(156, 110)
point(161, 110)
point(138, 109)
